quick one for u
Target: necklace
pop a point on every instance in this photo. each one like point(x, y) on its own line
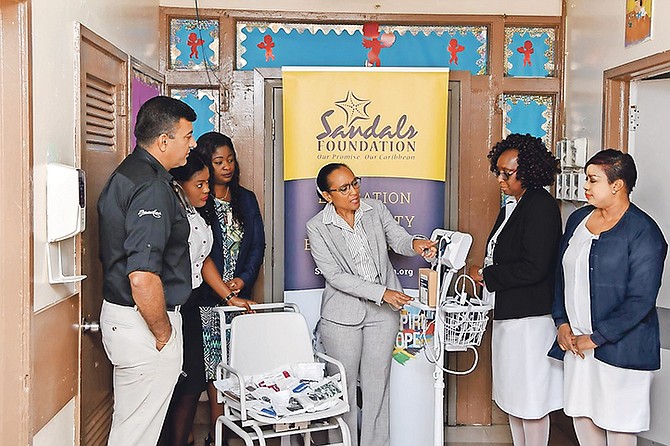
point(225, 196)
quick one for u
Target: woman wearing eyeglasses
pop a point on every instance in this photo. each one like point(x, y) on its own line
point(518, 275)
point(359, 309)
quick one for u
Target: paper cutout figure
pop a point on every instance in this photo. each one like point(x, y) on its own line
point(375, 41)
point(526, 50)
point(639, 9)
point(194, 43)
point(638, 21)
point(267, 44)
point(454, 48)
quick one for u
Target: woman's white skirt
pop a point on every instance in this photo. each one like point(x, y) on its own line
point(526, 382)
point(615, 398)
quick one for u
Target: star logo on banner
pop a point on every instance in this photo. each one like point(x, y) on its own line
point(353, 107)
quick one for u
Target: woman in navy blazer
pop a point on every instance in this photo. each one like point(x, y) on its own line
point(252, 246)
point(607, 282)
point(518, 273)
point(239, 244)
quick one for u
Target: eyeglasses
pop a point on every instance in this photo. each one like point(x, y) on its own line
point(345, 188)
point(505, 175)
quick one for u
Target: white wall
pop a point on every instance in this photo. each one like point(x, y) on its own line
point(132, 25)
point(59, 431)
point(489, 7)
point(595, 43)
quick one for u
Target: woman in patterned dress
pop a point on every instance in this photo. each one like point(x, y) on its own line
point(239, 244)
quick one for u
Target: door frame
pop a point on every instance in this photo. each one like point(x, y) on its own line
point(265, 82)
point(17, 270)
point(616, 95)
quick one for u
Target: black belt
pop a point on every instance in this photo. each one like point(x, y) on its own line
point(175, 308)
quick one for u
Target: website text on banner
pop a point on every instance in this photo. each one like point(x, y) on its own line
point(390, 126)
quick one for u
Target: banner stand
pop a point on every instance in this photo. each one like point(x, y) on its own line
point(363, 117)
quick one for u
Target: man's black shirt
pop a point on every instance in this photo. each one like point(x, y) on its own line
point(143, 228)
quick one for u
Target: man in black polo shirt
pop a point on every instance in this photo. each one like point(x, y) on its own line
point(147, 273)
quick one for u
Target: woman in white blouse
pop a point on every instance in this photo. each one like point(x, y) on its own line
point(609, 275)
point(193, 189)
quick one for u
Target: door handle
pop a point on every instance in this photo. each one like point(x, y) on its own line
point(93, 326)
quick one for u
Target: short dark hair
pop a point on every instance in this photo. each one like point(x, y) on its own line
point(537, 165)
point(617, 166)
point(160, 115)
point(322, 176)
point(194, 164)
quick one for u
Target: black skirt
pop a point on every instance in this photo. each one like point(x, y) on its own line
point(192, 379)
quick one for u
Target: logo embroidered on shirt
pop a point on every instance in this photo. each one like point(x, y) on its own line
point(155, 213)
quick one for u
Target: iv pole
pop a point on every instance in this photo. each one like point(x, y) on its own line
point(452, 248)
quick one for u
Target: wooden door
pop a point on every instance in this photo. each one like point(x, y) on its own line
point(104, 144)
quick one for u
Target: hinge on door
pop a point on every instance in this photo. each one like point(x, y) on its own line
point(122, 108)
point(273, 129)
point(633, 118)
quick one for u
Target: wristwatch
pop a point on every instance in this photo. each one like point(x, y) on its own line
point(228, 297)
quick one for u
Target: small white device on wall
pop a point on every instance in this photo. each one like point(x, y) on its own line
point(66, 201)
point(66, 216)
point(570, 182)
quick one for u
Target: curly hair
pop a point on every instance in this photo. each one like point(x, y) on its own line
point(537, 165)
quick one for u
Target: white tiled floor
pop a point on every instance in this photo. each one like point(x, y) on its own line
point(495, 435)
point(455, 436)
point(498, 435)
point(459, 435)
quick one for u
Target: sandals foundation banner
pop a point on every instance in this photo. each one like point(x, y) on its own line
point(389, 125)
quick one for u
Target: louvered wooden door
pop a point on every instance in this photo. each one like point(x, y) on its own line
point(104, 144)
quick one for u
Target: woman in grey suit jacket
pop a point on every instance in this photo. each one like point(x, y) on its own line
point(359, 318)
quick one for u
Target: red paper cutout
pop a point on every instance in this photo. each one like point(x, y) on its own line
point(526, 50)
point(373, 40)
point(267, 44)
point(454, 48)
point(194, 43)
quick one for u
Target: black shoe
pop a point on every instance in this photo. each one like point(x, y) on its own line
point(209, 441)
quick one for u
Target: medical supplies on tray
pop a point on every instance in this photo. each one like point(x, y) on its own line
point(289, 390)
